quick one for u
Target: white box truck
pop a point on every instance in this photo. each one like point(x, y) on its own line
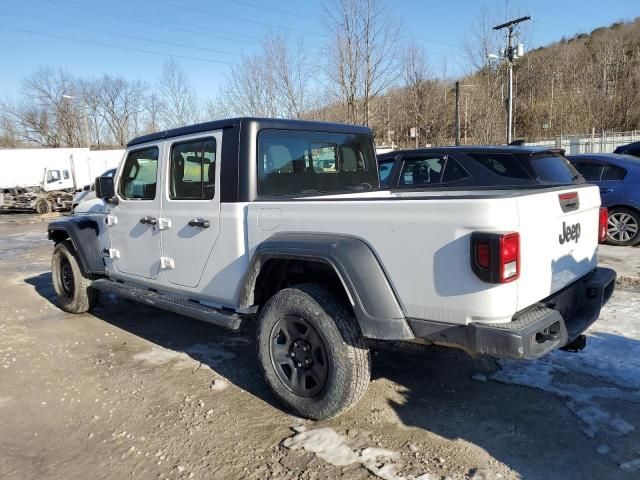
point(45, 179)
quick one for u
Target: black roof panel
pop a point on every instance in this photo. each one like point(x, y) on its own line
point(285, 124)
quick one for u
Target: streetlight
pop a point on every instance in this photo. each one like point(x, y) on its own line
point(510, 54)
point(458, 85)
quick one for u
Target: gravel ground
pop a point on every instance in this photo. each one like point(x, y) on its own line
point(133, 392)
point(626, 261)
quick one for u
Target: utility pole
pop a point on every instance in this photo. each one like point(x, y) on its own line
point(457, 113)
point(510, 54)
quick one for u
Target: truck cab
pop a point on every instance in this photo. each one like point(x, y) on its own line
point(57, 179)
point(283, 223)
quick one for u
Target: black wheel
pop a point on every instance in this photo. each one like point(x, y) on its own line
point(623, 227)
point(71, 284)
point(312, 353)
point(43, 206)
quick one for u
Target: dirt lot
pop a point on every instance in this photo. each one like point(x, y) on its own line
point(133, 392)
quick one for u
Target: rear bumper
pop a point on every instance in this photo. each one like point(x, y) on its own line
point(556, 322)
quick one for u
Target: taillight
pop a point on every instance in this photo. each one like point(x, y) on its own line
point(602, 226)
point(495, 257)
point(509, 257)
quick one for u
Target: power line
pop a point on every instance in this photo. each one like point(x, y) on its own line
point(238, 19)
point(120, 47)
point(163, 23)
point(126, 35)
point(270, 9)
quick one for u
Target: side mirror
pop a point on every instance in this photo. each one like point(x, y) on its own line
point(86, 188)
point(105, 188)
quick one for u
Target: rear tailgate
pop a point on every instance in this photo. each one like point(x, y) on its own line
point(558, 240)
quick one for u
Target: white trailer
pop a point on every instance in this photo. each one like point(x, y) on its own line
point(45, 179)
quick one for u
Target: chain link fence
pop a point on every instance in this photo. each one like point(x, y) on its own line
point(603, 142)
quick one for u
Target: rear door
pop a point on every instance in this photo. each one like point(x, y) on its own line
point(559, 239)
point(191, 203)
point(612, 190)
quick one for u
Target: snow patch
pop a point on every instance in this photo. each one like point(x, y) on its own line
point(332, 447)
point(631, 466)
point(198, 355)
point(612, 359)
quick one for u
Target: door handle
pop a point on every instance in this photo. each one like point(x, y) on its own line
point(148, 221)
point(199, 222)
point(606, 190)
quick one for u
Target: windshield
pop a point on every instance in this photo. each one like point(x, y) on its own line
point(554, 168)
point(299, 162)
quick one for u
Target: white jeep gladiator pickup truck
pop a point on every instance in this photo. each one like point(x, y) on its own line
point(283, 222)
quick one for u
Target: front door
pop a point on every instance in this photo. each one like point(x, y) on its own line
point(191, 203)
point(135, 232)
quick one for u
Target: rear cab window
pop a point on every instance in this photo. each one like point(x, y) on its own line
point(300, 162)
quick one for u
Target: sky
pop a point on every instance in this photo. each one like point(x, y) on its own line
point(132, 38)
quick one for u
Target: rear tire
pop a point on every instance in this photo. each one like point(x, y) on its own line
point(623, 227)
point(71, 284)
point(312, 353)
point(43, 206)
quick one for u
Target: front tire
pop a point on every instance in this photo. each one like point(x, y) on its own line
point(43, 206)
point(71, 284)
point(312, 353)
point(623, 227)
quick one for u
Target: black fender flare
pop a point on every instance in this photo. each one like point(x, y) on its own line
point(374, 301)
point(83, 232)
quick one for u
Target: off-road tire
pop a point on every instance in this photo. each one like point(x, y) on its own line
point(633, 219)
point(347, 354)
point(43, 206)
point(74, 293)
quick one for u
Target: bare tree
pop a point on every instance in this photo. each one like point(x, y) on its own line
point(153, 107)
point(415, 75)
point(180, 102)
point(249, 89)
point(361, 54)
point(290, 75)
point(120, 103)
point(46, 114)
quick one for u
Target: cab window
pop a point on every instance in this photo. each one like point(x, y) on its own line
point(385, 172)
point(296, 162)
point(193, 170)
point(613, 172)
point(503, 164)
point(139, 175)
point(53, 176)
point(590, 171)
point(430, 171)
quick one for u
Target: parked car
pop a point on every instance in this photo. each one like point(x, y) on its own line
point(629, 149)
point(89, 191)
point(282, 223)
point(475, 166)
point(618, 177)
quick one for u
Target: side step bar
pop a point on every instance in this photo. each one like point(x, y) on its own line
point(177, 305)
